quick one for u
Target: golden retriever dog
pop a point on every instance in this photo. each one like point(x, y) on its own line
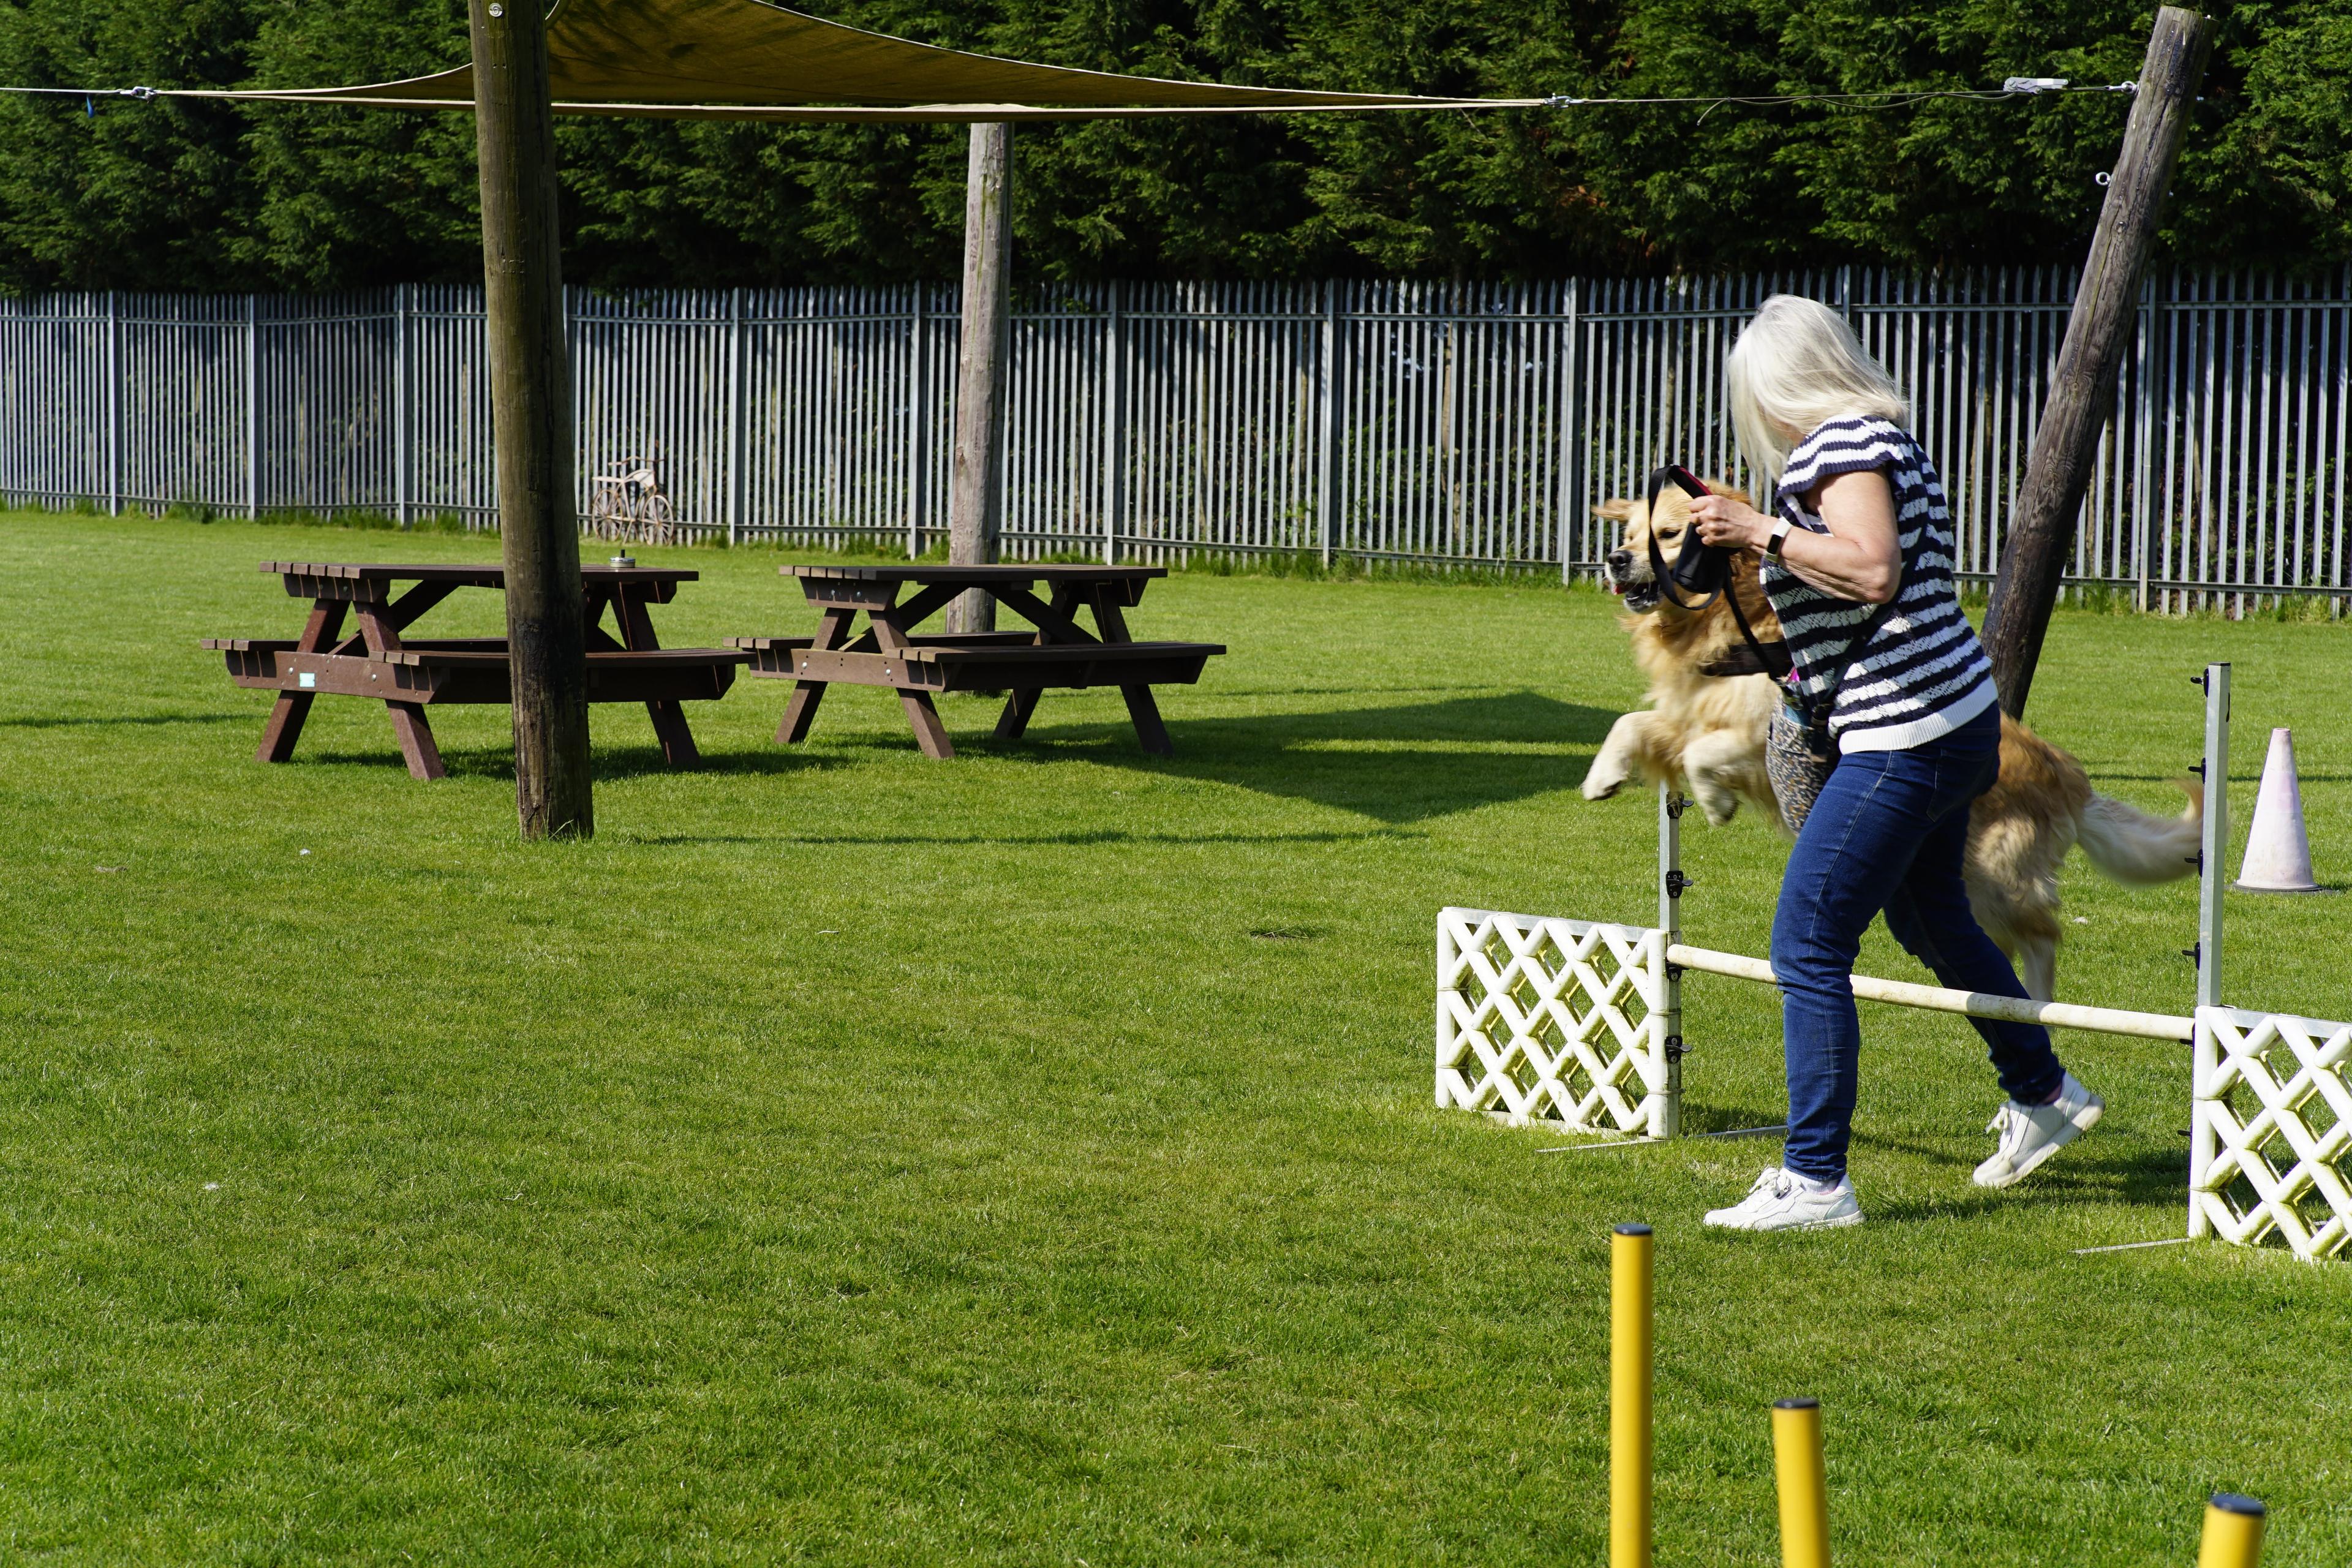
point(1704, 733)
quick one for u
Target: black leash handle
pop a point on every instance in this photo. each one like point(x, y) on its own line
point(1775, 664)
point(1691, 485)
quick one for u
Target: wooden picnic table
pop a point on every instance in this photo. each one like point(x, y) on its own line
point(1058, 651)
point(410, 674)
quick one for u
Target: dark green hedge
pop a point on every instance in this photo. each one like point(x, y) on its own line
point(179, 195)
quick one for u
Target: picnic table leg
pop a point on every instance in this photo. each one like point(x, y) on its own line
point(1014, 723)
point(669, 716)
point(669, 728)
point(287, 714)
point(832, 632)
point(924, 720)
point(409, 725)
point(1020, 704)
point(1141, 708)
point(417, 747)
point(922, 716)
point(1145, 713)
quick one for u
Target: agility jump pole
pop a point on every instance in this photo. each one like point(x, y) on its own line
point(1938, 999)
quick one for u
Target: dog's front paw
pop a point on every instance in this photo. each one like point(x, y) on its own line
point(1600, 781)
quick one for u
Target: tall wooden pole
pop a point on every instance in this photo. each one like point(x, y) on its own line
point(2065, 446)
point(530, 401)
point(976, 498)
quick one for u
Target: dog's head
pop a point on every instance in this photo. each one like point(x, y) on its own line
point(1707, 636)
point(1626, 570)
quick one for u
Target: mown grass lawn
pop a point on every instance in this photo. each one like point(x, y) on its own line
point(1030, 1158)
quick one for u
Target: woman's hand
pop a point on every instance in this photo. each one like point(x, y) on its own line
point(1730, 522)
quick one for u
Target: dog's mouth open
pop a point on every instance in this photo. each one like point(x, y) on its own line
point(1632, 583)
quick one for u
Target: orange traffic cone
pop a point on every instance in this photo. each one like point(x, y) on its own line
point(2278, 851)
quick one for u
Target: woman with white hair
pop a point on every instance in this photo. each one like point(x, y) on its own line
point(1857, 560)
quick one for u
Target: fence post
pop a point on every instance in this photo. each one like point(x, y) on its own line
point(1115, 412)
point(114, 401)
point(918, 420)
point(734, 417)
point(2143, 433)
point(1575, 440)
point(252, 407)
point(400, 401)
point(1327, 484)
point(2342, 390)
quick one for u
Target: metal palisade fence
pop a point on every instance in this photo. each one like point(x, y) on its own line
point(1473, 424)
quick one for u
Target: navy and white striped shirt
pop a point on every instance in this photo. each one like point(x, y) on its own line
point(1923, 674)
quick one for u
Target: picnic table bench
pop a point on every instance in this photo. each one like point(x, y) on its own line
point(410, 674)
point(1058, 652)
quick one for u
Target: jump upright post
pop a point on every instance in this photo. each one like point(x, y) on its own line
point(2233, 1533)
point(1631, 1345)
point(1668, 1123)
point(2214, 770)
point(1804, 1481)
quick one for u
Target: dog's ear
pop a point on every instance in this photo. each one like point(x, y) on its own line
point(1619, 509)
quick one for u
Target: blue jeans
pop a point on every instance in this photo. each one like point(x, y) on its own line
point(1887, 834)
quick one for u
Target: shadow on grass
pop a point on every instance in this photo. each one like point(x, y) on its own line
point(611, 763)
point(1075, 840)
point(141, 719)
point(2252, 778)
point(1396, 765)
point(2122, 1177)
point(1698, 1121)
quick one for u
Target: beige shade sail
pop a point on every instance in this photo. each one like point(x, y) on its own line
point(746, 60)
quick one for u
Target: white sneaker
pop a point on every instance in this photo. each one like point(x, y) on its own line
point(1783, 1200)
point(2031, 1133)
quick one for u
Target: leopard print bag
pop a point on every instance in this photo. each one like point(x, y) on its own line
point(1798, 759)
point(1800, 753)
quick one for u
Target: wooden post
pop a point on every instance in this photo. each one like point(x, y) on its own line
point(531, 400)
point(2058, 473)
point(976, 501)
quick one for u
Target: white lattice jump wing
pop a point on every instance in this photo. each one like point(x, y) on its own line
point(2271, 1126)
point(1558, 1021)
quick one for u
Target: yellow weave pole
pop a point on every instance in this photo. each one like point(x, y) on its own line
point(2233, 1533)
point(1632, 1343)
point(1804, 1483)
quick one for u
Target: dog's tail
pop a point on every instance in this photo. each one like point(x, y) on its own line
point(2130, 845)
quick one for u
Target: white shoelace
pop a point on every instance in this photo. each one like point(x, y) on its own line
point(2011, 1124)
